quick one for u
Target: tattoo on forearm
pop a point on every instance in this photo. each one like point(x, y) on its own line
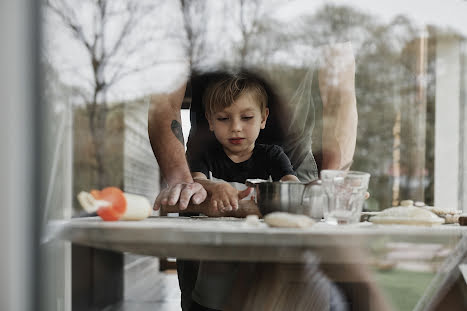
point(177, 130)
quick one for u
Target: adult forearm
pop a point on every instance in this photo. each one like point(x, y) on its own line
point(337, 88)
point(339, 130)
point(166, 137)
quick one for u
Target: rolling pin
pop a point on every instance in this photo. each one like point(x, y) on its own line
point(113, 204)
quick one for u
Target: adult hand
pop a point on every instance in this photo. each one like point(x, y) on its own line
point(181, 193)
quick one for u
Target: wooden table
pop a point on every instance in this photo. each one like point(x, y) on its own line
point(230, 239)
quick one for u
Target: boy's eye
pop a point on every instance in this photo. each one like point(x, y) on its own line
point(222, 119)
point(247, 117)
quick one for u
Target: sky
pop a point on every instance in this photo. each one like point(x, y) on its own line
point(72, 64)
point(444, 13)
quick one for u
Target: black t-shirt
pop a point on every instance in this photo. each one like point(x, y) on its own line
point(266, 160)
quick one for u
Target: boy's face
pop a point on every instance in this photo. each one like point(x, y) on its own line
point(237, 126)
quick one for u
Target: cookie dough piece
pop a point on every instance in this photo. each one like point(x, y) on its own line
point(287, 220)
point(407, 215)
point(442, 211)
point(407, 203)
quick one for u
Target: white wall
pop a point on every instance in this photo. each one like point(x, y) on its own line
point(447, 130)
point(141, 172)
point(463, 123)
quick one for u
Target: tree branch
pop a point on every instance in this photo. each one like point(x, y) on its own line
point(70, 22)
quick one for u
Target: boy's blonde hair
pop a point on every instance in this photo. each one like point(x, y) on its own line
point(223, 93)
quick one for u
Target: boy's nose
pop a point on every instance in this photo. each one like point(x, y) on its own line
point(236, 125)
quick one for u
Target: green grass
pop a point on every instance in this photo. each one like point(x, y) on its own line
point(403, 288)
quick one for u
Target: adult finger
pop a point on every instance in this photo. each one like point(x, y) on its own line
point(160, 200)
point(157, 203)
point(185, 195)
point(199, 196)
point(164, 196)
point(174, 194)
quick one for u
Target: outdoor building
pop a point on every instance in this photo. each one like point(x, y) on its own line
point(141, 173)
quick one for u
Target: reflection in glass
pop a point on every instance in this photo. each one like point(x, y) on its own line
point(105, 60)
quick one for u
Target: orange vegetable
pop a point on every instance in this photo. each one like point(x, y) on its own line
point(117, 201)
point(96, 194)
point(108, 214)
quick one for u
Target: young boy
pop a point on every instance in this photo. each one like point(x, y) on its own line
point(236, 109)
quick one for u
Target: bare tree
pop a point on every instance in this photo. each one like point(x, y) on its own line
point(195, 19)
point(244, 34)
point(249, 15)
point(250, 34)
point(110, 34)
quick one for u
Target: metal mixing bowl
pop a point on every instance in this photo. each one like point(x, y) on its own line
point(290, 197)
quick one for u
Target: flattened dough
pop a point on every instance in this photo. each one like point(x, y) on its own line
point(287, 220)
point(407, 215)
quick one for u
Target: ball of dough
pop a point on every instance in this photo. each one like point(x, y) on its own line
point(407, 203)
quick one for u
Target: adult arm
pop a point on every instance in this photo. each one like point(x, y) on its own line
point(337, 88)
point(166, 137)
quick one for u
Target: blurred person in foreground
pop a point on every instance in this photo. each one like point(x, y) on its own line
point(290, 125)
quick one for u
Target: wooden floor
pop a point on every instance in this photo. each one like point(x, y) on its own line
point(148, 289)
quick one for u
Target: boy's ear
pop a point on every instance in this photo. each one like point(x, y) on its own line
point(209, 121)
point(264, 118)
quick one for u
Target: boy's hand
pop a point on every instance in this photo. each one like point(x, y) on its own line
point(225, 197)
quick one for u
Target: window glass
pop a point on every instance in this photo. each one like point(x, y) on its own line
point(409, 60)
point(380, 87)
